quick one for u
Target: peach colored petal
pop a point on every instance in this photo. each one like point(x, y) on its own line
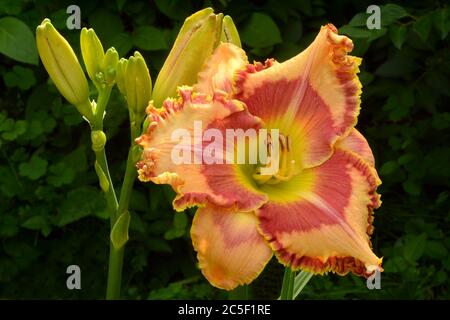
point(324, 223)
point(195, 183)
point(313, 97)
point(218, 71)
point(229, 248)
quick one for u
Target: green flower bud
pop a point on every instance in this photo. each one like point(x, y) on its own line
point(98, 139)
point(109, 66)
point(229, 32)
point(137, 85)
point(93, 54)
point(120, 75)
point(63, 67)
point(196, 41)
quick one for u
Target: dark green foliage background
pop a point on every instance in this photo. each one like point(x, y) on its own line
point(52, 213)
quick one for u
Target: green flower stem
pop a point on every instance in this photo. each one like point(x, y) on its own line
point(130, 171)
point(298, 283)
point(110, 195)
point(116, 255)
point(100, 155)
point(103, 98)
point(287, 289)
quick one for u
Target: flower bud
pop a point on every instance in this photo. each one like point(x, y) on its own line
point(109, 66)
point(229, 32)
point(63, 67)
point(196, 41)
point(120, 75)
point(93, 54)
point(98, 139)
point(137, 85)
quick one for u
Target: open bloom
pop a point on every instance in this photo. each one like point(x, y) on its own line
point(315, 211)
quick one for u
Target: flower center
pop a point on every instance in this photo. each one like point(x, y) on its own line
point(280, 165)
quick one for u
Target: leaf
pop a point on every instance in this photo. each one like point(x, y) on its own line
point(20, 77)
point(35, 222)
point(77, 159)
point(377, 33)
point(441, 121)
point(423, 26)
point(17, 41)
point(158, 245)
point(34, 169)
point(391, 13)
point(359, 20)
point(11, 7)
point(442, 22)
point(174, 234)
point(174, 9)
point(406, 158)
point(397, 66)
point(8, 226)
point(149, 38)
point(355, 32)
point(120, 4)
point(119, 232)
point(366, 77)
point(106, 25)
point(412, 187)
point(388, 168)
point(61, 174)
point(415, 247)
point(180, 221)
point(20, 127)
point(398, 35)
point(122, 42)
point(436, 250)
point(79, 203)
point(10, 184)
point(301, 280)
point(260, 31)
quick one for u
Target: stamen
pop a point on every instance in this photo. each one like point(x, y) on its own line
point(287, 166)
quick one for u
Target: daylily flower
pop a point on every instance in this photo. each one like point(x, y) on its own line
point(315, 213)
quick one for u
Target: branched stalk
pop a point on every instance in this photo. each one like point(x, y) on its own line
point(116, 255)
point(115, 208)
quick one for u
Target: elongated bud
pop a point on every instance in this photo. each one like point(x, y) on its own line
point(63, 67)
point(102, 179)
point(229, 32)
point(120, 76)
point(93, 54)
point(109, 66)
point(197, 39)
point(98, 139)
point(137, 85)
